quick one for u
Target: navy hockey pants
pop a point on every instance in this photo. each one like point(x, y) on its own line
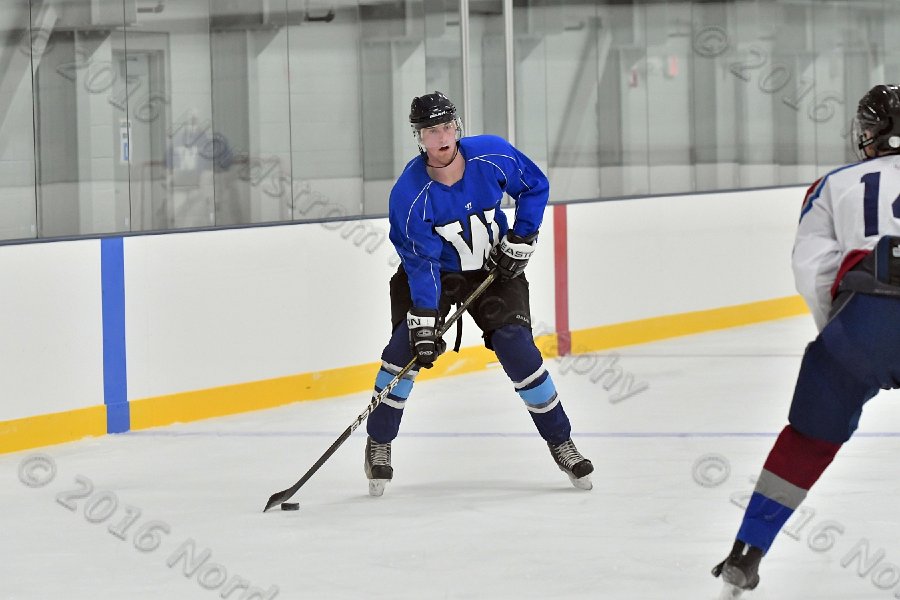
point(855, 355)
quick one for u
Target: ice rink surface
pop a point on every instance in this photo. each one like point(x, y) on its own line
point(477, 508)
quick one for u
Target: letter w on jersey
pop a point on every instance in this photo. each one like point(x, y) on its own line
point(472, 255)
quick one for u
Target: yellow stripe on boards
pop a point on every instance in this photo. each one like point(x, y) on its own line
point(54, 428)
point(669, 326)
point(254, 395)
point(43, 430)
point(232, 399)
point(227, 400)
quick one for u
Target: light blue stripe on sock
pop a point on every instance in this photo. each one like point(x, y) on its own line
point(401, 390)
point(539, 394)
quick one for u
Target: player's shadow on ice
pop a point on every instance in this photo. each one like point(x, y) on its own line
point(500, 490)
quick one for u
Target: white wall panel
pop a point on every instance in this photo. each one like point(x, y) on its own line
point(637, 259)
point(223, 307)
point(51, 353)
point(541, 278)
point(214, 308)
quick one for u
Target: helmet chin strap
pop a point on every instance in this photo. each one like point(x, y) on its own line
point(452, 158)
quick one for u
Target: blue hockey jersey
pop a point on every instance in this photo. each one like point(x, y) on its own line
point(436, 228)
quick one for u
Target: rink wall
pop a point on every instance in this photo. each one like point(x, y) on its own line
point(114, 334)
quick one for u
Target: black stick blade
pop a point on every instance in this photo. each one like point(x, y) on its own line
point(277, 498)
point(284, 495)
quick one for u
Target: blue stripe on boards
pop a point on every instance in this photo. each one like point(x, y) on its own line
point(115, 381)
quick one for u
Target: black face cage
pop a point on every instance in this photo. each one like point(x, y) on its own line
point(882, 136)
point(859, 138)
point(417, 131)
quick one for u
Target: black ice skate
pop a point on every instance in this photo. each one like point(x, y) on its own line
point(572, 463)
point(378, 466)
point(740, 570)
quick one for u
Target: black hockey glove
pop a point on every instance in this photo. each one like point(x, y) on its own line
point(511, 255)
point(426, 345)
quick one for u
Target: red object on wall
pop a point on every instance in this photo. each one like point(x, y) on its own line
point(672, 66)
point(561, 278)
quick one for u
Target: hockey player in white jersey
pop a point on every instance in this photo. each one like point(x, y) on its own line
point(846, 263)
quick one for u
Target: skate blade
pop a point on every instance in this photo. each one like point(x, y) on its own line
point(376, 486)
point(732, 575)
point(730, 592)
point(582, 484)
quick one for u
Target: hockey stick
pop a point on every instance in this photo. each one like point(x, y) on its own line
point(284, 495)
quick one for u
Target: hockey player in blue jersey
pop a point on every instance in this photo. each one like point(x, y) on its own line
point(447, 227)
point(846, 262)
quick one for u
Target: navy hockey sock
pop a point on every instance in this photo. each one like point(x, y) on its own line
point(524, 365)
point(384, 422)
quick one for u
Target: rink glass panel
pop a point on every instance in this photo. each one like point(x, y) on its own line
point(149, 115)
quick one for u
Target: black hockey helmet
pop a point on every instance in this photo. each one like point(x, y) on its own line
point(430, 110)
point(877, 122)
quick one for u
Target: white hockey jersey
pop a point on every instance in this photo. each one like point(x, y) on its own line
point(843, 216)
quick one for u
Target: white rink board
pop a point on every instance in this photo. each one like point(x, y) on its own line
point(637, 259)
point(224, 307)
point(51, 352)
point(215, 308)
